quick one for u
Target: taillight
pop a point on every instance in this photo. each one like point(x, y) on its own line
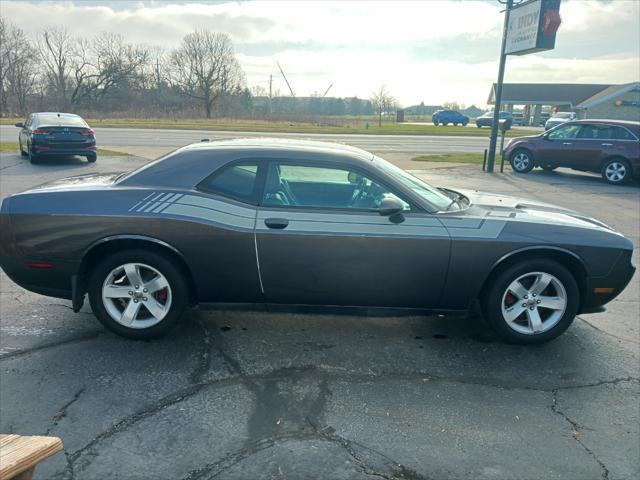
point(42, 131)
point(87, 132)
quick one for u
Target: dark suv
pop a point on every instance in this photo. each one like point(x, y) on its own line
point(608, 147)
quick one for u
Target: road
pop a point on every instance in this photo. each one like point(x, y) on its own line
point(271, 395)
point(124, 138)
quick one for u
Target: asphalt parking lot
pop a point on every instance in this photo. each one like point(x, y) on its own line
point(248, 395)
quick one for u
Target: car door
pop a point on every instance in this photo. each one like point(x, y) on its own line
point(559, 147)
point(321, 241)
point(591, 142)
point(23, 137)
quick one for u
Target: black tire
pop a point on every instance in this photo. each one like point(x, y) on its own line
point(92, 158)
point(494, 294)
point(479, 126)
point(163, 264)
point(455, 124)
point(33, 157)
point(435, 123)
point(616, 171)
point(464, 124)
point(521, 160)
point(22, 152)
point(548, 168)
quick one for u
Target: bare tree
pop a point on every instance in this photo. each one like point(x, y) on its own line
point(18, 67)
point(205, 68)
point(5, 53)
point(383, 102)
point(453, 106)
point(57, 52)
point(102, 64)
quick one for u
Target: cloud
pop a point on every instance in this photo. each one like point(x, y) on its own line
point(430, 51)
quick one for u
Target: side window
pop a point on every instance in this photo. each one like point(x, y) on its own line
point(235, 181)
point(564, 132)
point(595, 132)
point(620, 133)
point(323, 187)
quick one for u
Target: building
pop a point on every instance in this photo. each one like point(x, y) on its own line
point(619, 102)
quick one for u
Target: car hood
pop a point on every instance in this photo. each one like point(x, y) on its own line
point(92, 181)
point(532, 211)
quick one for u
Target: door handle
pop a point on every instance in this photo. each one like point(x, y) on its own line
point(567, 143)
point(607, 144)
point(277, 223)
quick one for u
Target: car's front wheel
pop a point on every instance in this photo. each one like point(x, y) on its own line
point(138, 294)
point(531, 302)
point(616, 171)
point(521, 161)
point(92, 158)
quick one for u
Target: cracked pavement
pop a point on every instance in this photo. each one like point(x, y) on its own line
point(272, 395)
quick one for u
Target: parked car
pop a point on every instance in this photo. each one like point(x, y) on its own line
point(560, 118)
point(48, 134)
point(486, 119)
point(544, 116)
point(608, 147)
point(445, 117)
point(518, 119)
point(294, 222)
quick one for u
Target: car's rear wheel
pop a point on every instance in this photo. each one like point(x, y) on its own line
point(616, 171)
point(92, 158)
point(33, 157)
point(532, 302)
point(521, 161)
point(464, 124)
point(22, 152)
point(455, 124)
point(138, 294)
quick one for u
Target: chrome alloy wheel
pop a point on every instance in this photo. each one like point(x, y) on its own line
point(521, 161)
point(534, 303)
point(136, 295)
point(615, 172)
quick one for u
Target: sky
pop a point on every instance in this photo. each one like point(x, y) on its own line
point(429, 51)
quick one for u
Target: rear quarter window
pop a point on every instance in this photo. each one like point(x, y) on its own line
point(237, 181)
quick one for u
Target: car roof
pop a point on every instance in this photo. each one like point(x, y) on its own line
point(280, 144)
point(185, 166)
point(622, 123)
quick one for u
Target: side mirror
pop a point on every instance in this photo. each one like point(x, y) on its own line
point(392, 208)
point(19, 125)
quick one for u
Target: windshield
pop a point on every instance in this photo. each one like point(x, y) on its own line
point(431, 194)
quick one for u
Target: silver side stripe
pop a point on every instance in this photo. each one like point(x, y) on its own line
point(232, 216)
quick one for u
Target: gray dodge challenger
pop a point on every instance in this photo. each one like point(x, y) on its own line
point(267, 221)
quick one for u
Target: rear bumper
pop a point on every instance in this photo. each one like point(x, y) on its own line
point(52, 282)
point(601, 290)
point(47, 149)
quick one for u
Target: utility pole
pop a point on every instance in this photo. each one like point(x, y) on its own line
point(498, 100)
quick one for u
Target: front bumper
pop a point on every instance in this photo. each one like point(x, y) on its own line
point(599, 291)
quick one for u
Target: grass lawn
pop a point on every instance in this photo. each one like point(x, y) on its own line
point(12, 147)
point(452, 158)
point(355, 126)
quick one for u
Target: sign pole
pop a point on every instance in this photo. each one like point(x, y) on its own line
point(498, 99)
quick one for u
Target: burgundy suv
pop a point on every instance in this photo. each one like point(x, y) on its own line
point(608, 147)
